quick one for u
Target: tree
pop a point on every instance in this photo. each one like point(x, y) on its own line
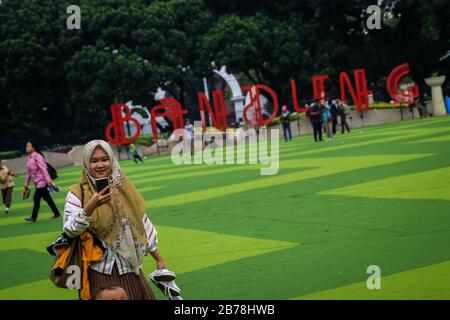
point(283, 40)
point(169, 36)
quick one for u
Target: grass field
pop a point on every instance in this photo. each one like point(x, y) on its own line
point(378, 196)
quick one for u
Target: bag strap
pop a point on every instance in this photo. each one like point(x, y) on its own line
point(82, 195)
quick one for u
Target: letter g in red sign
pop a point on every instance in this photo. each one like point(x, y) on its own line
point(392, 85)
point(117, 125)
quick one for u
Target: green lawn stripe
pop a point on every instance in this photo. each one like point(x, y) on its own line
point(202, 173)
point(429, 282)
point(28, 204)
point(150, 188)
point(432, 184)
point(341, 164)
point(433, 139)
point(371, 142)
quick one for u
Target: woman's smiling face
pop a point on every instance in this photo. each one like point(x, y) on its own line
point(99, 164)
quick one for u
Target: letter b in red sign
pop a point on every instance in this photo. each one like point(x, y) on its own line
point(117, 125)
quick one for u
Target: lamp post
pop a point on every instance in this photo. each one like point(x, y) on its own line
point(117, 97)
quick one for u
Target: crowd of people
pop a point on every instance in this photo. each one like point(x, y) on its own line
point(323, 115)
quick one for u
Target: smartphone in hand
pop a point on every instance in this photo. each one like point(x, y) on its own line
point(26, 194)
point(101, 184)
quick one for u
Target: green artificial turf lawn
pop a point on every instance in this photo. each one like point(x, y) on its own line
point(377, 196)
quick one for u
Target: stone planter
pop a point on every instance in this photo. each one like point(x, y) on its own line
point(437, 98)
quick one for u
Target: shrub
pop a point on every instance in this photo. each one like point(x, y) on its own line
point(294, 116)
point(146, 140)
point(61, 150)
point(276, 121)
point(387, 106)
point(382, 105)
point(211, 129)
point(10, 154)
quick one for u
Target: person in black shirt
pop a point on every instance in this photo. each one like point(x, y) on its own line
point(334, 114)
point(315, 115)
point(343, 112)
point(286, 122)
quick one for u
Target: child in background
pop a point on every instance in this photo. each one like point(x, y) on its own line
point(134, 152)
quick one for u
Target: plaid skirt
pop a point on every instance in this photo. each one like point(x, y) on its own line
point(136, 286)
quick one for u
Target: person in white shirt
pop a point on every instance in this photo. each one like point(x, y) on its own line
point(117, 216)
point(189, 136)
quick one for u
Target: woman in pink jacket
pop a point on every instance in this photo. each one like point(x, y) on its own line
point(37, 172)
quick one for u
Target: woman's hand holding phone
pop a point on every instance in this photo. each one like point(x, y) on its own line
point(97, 199)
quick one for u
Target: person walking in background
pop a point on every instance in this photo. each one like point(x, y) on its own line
point(334, 110)
point(343, 112)
point(134, 152)
point(6, 185)
point(286, 122)
point(37, 172)
point(315, 115)
point(447, 99)
point(189, 136)
point(326, 120)
point(422, 108)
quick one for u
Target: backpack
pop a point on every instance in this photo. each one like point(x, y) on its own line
point(51, 171)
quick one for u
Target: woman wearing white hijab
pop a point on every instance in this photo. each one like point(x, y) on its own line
point(117, 216)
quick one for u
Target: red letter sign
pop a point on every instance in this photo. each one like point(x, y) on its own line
point(361, 96)
point(171, 108)
point(256, 105)
point(295, 99)
point(318, 86)
point(117, 125)
point(392, 85)
point(219, 116)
